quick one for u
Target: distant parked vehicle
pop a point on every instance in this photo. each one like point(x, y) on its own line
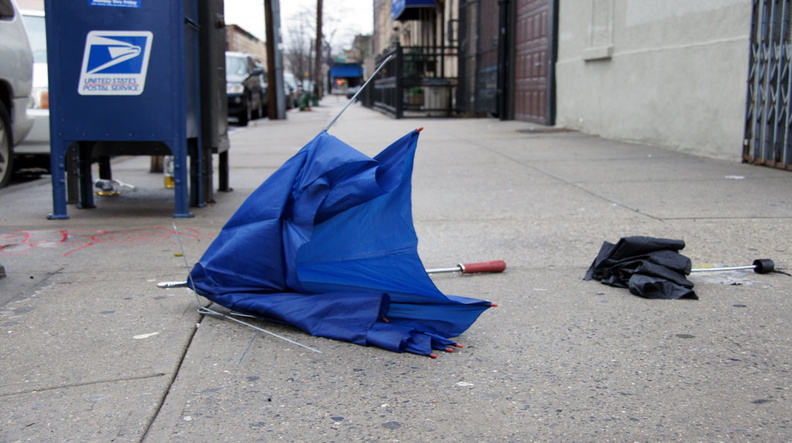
point(264, 93)
point(16, 78)
point(34, 150)
point(243, 87)
point(351, 91)
point(291, 90)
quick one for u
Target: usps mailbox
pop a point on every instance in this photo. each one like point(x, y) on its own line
point(124, 80)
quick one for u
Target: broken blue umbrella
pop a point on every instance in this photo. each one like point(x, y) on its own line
point(327, 244)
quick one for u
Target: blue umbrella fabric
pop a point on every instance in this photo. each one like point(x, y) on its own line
point(327, 244)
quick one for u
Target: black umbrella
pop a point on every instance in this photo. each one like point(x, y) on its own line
point(648, 267)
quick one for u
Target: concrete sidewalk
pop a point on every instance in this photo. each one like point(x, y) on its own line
point(92, 350)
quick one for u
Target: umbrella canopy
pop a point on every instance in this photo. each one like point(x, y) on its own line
point(649, 267)
point(327, 244)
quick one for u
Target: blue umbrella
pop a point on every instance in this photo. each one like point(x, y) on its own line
point(327, 244)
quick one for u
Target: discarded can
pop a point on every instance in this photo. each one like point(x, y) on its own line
point(170, 183)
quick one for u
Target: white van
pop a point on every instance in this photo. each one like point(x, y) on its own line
point(16, 82)
point(34, 150)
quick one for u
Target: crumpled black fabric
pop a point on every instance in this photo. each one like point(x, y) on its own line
point(649, 267)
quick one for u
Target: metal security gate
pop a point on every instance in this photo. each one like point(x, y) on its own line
point(768, 117)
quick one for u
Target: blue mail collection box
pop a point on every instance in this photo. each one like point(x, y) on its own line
point(124, 78)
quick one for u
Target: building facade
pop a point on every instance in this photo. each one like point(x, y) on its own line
point(421, 75)
point(670, 73)
point(673, 73)
point(240, 40)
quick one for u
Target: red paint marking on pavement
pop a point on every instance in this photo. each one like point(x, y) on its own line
point(26, 242)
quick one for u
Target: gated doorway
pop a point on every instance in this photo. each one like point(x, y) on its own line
point(534, 60)
point(768, 115)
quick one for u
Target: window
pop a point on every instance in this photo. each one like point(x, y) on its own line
point(6, 10)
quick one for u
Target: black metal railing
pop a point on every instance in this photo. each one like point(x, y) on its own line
point(416, 82)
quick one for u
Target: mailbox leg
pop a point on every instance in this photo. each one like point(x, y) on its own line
point(197, 193)
point(105, 170)
point(181, 196)
point(58, 171)
point(85, 176)
point(222, 167)
point(72, 186)
point(208, 175)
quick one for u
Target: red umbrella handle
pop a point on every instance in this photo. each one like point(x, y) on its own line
point(473, 268)
point(485, 266)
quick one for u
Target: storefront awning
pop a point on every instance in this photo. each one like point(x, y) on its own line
point(408, 9)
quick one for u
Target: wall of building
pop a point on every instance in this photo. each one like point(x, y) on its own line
point(430, 30)
point(665, 72)
point(383, 35)
point(240, 40)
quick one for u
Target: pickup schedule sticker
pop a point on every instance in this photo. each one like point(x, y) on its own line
point(116, 3)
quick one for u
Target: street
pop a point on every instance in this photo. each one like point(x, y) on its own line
point(93, 350)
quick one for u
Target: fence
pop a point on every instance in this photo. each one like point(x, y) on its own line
point(414, 83)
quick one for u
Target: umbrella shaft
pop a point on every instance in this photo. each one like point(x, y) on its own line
point(352, 100)
point(444, 270)
point(474, 268)
point(731, 268)
point(172, 284)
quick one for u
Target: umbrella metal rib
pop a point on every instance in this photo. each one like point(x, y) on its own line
point(204, 310)
point(352, 100)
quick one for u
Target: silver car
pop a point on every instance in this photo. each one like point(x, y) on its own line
point(16, 79)
point(34, 150)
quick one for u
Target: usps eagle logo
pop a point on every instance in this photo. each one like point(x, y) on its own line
point(115, 63)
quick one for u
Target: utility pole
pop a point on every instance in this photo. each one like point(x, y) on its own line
point(318, 80)
point(276, 108)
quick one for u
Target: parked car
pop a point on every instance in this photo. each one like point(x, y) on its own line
point(243, 87)
point(351, 91)
point(289, 93)
point(264, 92)
point(16, 79)
point(308, 86)
point(34, 150)
point(291, 90)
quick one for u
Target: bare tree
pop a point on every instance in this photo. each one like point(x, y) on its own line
point(300, 43)
point(299, 50)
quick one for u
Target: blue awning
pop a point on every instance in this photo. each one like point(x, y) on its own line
point(347, 70)
point(404, 9)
